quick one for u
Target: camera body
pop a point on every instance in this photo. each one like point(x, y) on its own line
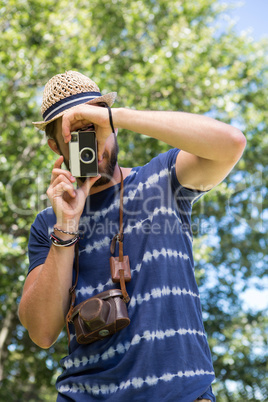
point(100, 316)
point(83, 155)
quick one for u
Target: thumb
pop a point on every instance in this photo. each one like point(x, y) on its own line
point(88, 183)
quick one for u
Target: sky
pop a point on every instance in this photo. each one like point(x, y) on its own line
point(252, 14)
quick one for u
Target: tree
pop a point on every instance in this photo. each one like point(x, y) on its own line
point(157, 54)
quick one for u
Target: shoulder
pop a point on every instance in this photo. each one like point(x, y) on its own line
point(162, 161)
point(44, 220)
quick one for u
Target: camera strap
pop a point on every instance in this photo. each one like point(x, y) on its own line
point(111, 118)
point(120, 268)
point(72, 292)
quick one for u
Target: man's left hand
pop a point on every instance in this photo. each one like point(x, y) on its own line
point(83, 115)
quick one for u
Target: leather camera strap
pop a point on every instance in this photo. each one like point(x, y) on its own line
point(72, 292)
point(118, 237)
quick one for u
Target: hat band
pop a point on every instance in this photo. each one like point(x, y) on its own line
point(68, 102)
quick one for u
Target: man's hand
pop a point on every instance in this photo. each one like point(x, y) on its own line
point(67, 202)
point(81, 116)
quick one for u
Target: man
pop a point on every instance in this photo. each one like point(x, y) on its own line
point(163, 354)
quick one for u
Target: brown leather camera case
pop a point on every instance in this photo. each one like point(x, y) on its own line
point(100, 316)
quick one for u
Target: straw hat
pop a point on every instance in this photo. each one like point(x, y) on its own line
point(64, 91)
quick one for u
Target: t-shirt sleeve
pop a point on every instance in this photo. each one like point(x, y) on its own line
point(39, 242)
point(169, 160)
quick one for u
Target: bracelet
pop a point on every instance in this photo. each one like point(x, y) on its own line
point(64, 231)
point(111, 118)
point(62, 243)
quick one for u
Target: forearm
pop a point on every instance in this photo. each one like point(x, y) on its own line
point(199, 135)
point(45, 299)
point(45, 302)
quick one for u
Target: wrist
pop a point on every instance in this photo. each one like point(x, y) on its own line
point(118, 117)
point(60, 242)
point(67, 227)
point(64, 234)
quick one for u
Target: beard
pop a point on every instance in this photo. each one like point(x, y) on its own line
point(107, 171)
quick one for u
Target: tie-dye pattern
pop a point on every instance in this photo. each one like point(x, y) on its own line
point(163, 355)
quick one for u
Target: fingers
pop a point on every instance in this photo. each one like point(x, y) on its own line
point(66, 130)
point(61, 186)
point(58, 162)
point(81, 116)
point(57, 172)
point(76, 118)
point(65, 184)
point(67, 202)
point(61, 181)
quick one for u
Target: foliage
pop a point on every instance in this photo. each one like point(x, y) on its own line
point(157, 54)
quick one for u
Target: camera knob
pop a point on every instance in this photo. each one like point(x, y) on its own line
point(104, 332)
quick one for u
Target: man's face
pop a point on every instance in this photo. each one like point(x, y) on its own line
point(106, 166)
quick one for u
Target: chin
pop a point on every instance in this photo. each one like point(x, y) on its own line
point(106, 176)
point(101, 182)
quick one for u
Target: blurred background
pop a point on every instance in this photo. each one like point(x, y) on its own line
point(192, 55)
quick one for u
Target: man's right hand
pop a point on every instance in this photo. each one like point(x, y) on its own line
point(67, 202)
point(43, 316)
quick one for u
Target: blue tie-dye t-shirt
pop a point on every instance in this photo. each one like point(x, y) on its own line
point(163, 355)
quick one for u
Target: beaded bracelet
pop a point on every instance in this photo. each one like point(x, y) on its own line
point(63, 243)
point(65, 231)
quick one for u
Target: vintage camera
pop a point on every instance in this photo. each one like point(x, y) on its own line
point(100, 316)
point(83, 153)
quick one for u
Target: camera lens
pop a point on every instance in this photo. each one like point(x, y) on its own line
point(87, 155)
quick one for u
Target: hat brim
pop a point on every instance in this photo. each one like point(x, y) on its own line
point(107, 98)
